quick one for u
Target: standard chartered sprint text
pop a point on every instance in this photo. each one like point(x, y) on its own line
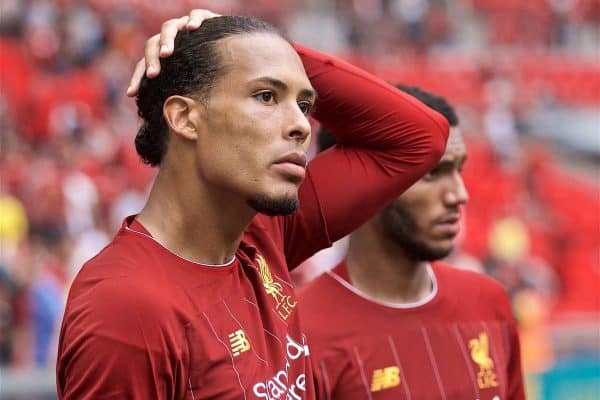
point(282, 384)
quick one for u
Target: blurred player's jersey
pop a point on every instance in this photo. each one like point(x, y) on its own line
point(458, 343)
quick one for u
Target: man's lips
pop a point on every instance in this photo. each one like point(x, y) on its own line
point(293, 158)
point(293, 164)
point(449, 225)
point(451, 219)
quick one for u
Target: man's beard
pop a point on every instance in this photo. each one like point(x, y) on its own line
point(273, 206)
point(401, 227)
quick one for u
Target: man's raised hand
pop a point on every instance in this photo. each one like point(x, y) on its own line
point(161, 45)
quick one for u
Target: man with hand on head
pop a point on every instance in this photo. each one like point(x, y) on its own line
point(192, 298)
point(392, 322)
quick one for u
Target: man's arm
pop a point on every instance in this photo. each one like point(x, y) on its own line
point(387, 141)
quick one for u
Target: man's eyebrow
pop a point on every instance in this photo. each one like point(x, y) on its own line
point(444, 163)
point(284, 87)
point(452, 160)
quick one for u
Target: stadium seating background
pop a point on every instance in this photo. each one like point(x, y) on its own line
point(524, 76)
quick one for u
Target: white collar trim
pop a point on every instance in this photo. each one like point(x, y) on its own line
point(228, 263)
point(365, 296)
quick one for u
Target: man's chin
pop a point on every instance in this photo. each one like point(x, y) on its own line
point(427, 251)
point(273, 206)
point(440, 254)
point(438, 251)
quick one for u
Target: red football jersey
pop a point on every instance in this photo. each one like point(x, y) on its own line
point(458, 343)
point(143, 323)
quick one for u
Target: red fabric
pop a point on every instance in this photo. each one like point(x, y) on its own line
point(354, 340)
point(142, 323)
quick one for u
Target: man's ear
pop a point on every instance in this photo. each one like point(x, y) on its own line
point(183, 115)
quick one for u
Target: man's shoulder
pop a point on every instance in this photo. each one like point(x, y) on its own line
point(118, 313)
point(112, 261)
point(327, 313)
point(474, 287)
point(120, 273)
point(464, 278)
point(326, 303)
point(322, 286)
point(121, 248)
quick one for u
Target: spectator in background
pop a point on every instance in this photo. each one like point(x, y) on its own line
point(391, 321)
point(7, 294)
point(13, 230)
point(499, 120)
point(46, 300)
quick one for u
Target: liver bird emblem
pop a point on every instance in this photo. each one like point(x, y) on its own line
point(480, 351)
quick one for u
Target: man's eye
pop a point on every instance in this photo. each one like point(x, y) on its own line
point(265, 97)
point(305, 107)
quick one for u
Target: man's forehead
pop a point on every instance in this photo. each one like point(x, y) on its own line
point(262, 54)
point(455, 146)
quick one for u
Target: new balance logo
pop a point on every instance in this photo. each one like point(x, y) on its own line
point(239, 343)
point(385, 378)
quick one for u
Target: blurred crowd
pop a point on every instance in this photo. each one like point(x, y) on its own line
point(69, 172)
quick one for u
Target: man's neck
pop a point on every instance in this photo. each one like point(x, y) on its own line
point(193, 220)
point(381, 269)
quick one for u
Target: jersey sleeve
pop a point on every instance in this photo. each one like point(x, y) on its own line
point(141, 358)
point(387, 140)
point(516, 387)
point(514, 373)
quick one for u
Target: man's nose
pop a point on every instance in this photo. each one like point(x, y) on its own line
point(457, 193)
point(298, 126)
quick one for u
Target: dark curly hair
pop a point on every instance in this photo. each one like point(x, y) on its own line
point(438, 103)
point(325, 139)
point(190, 71)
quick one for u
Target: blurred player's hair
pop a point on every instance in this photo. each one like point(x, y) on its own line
point(325, 139)
point(190, 71)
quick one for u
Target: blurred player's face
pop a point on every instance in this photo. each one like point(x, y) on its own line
point(424, 220)
point(257, 128)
